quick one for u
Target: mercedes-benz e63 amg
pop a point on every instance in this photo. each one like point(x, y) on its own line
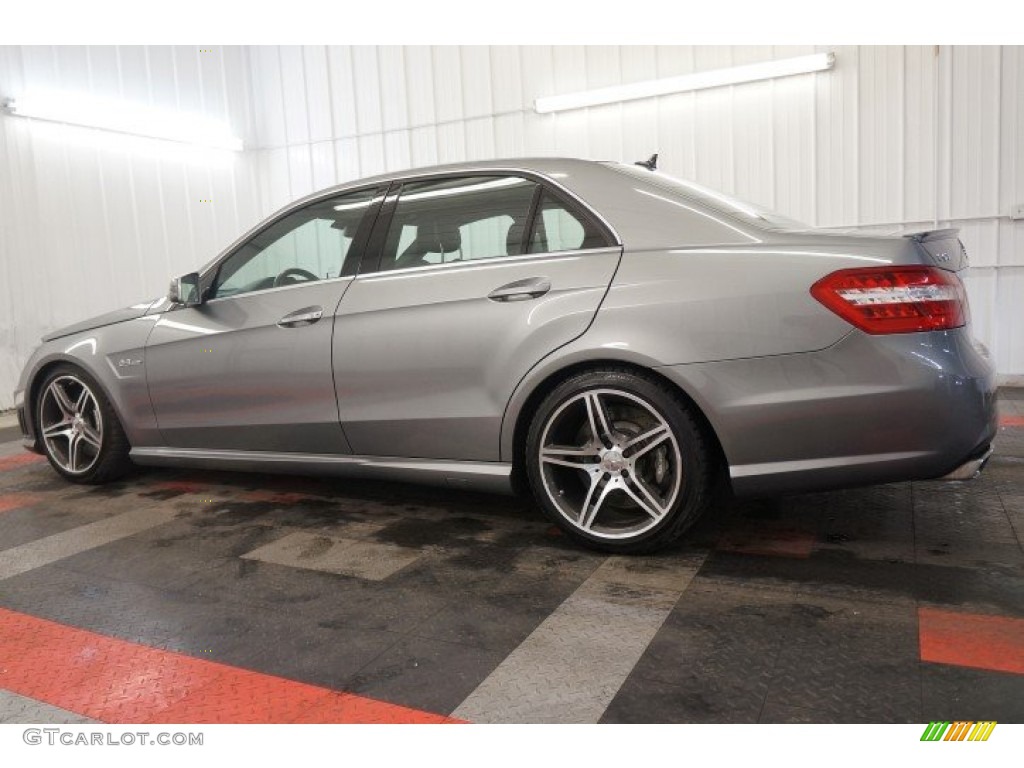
point(606, 335)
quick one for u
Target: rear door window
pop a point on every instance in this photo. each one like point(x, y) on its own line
point(469, 218)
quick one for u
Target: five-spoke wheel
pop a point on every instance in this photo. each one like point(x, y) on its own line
point(78, 428)
point(618, 460)
point(71, 424)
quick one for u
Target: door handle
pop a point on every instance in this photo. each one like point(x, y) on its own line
point(301, 317)
point(521, 290)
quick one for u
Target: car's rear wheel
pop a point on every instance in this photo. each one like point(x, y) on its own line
point(78, 428)
point(618, 461)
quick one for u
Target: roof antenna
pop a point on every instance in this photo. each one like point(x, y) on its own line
point(651, 164)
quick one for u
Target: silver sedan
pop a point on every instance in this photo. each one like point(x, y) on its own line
point(612, 338)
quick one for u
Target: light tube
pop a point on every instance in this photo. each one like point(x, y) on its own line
point(714, 78)
point(134, 119)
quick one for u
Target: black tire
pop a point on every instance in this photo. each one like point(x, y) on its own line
point(693, 488)
point(111, 461)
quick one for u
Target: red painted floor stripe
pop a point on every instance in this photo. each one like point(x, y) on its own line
point(19, 460)
point(116, 681)
point(767, 540)
point(972, 640)
point(179, 486)
point(275, 497)
point(9, 501)
point(1011, 421)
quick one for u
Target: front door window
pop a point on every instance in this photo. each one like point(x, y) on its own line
point(310, 244)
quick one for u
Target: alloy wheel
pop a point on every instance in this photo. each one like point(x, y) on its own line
point(610, 463)
point(71, 424)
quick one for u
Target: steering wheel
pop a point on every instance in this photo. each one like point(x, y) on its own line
point(294, 272)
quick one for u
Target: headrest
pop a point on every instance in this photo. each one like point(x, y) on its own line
point(514, 238)
point(437, 238)
point(347, 227)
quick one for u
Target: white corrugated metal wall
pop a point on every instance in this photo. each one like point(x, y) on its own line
point(893, 138)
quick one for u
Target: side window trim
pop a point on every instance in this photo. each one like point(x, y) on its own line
point(358, 248)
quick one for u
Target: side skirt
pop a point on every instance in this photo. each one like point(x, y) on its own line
point(490, 477)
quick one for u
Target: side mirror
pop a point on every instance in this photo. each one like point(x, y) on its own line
point(184, 290)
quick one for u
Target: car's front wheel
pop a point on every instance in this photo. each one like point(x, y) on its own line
point(618, 461)
point(78, 428)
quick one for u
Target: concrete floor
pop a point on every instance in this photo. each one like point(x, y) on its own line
point(212, 597)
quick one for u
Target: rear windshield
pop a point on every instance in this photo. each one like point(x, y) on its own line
point(719, 201)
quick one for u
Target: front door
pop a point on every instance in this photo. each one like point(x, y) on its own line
point(477, 279)
point(250, 367)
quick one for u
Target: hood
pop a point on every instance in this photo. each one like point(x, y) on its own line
point(108, 318)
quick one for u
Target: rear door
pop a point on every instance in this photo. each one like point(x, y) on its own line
point(469, 282)
point(250, 367)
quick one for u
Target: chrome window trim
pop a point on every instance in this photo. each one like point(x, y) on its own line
point(264, 291)
point(493, 261)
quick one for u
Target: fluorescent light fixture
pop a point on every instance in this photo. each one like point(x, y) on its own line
point(714, 78)
point(134, 119)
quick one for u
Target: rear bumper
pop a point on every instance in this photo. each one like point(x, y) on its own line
point(971, 468)
point(867, 410)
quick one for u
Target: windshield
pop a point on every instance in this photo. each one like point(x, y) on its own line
point(719, 201)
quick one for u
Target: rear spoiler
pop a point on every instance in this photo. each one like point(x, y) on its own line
point(932, 234)
point(943, 247)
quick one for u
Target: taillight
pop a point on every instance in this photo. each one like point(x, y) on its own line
point(895, 299)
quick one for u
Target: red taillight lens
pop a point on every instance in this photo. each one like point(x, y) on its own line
point(895, 300)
